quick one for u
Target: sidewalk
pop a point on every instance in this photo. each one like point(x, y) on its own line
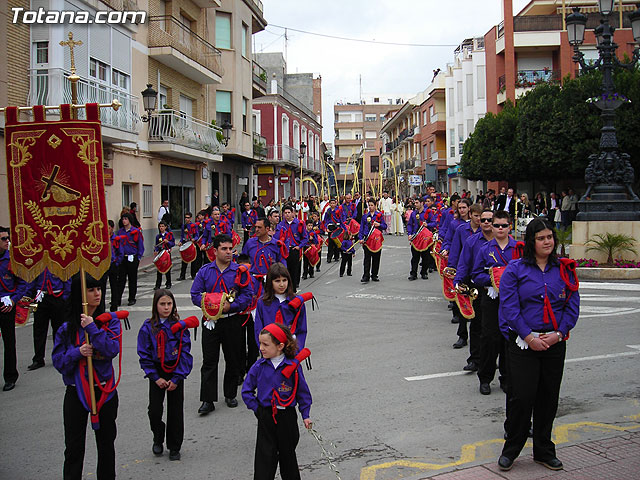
point(611, 458)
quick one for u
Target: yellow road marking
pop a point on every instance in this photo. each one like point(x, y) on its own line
point(468, 452)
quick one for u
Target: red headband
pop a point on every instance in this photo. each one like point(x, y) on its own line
point(275, 330)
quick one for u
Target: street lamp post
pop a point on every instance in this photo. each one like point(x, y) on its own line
point(303, 151)
point(609, 175)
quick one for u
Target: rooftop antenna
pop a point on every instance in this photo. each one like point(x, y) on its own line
point(286, 43)
point(360, 87)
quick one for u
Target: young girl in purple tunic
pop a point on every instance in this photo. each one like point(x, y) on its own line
point(274, 306)
point(273, 387)
point(164, 348)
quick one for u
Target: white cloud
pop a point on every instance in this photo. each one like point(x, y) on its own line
point(384, 68)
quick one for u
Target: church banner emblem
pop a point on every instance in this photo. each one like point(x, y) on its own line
point(56, 194)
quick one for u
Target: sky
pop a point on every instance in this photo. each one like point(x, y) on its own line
point(385, 69)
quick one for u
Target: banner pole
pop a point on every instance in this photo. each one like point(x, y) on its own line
point(73, 78)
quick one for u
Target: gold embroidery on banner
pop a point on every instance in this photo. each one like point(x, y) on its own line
point(61, 193)
point(27, 248)
point(59, 211)
point(54, 141)
point(85, 151)
point(22, 145)
point(94, 245)
point(61, 240)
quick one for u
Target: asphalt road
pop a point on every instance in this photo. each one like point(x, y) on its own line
point(368, 344)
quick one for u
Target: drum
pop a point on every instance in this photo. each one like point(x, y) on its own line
point(188, 252)
point(211, 254)
point(374, 240)
point(162, 261)
point(337, 236)
point(235, 238)
point(496, 273)
point(423, 240)
point(353, 227)
point(313, 255)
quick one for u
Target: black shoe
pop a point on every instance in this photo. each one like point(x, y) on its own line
point(412, 277)
point(206, 407)
point(8, 386)
point(461, 342)
point(375, 279)
point(317, 269)
point(157, 287)
point(304, 277)
point(342, 274)
point(450, 306)
point(424, 276)
point(168, 286)
point(311, 275)
point(131, 302)
point(471, 367)
point(530, 434)
point(455, 319)
point(431, 270)
point(113, 308)
point(485, 389)
point(231, 402)
point(505, 463)
point(157, 449)
point(364, 279)
point(349, 274)
point(553, 464)
point(328, 260)
point(174, 455)
point(36, 365)
point(180, 279)
point(503, 387)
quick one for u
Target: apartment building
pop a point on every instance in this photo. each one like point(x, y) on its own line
point(357, 141)
point(287, 117)
point(532, 47)
point(177, 152)
point(466, 103)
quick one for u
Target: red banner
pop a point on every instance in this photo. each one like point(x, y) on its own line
point(56, 194)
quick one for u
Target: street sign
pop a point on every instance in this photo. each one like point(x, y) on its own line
point(415, 180)
point(284, 178)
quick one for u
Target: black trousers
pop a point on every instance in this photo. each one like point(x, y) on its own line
point(175, 413)
point(112, 277)
point(371, 262)
point(534, 386)
point(293, 265)
point(276, 444)
point(475, 327)
point(307, 268)
point(347, 261)
point(419, 257)
point(8, 330)
point(194, 268)
point(249, 348)
point(228, 335)
point(75, 434)
point(319, 261)
point(159, 279)
point(127, 271)
point(492, 343)
point(333, 251)
point(52, 309)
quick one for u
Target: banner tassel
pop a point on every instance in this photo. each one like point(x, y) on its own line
point(325, 453)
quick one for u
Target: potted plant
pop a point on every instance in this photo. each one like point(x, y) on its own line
point(610, 244)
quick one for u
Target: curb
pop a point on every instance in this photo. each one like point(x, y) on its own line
point(597, 273)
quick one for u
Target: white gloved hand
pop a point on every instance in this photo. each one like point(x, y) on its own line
point(210, 324)
point(493, 294)
point(39, 296)
point(6, 301)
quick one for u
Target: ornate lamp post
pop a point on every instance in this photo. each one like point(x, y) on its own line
point(609, 175)
point(303, 151)
point(149, 100)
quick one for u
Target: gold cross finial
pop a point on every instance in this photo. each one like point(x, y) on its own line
point(71, 43)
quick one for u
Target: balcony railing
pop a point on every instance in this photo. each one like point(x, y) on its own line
point(168, 31)
point(259, 75)
point(122, 5)
point(52, 87)
point(537, 23)
point(502, 83)
point(259, 146)
point(531, 78)
point(283, 153)
point(170, 126)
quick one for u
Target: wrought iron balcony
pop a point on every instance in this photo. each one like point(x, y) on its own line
point(531, 78)
point(176, 128)
point(178, 47)
point(52, 87)
point(259, 146)
point(283, 154)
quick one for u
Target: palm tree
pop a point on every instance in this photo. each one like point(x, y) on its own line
point(612, 243)
point(564, 239)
